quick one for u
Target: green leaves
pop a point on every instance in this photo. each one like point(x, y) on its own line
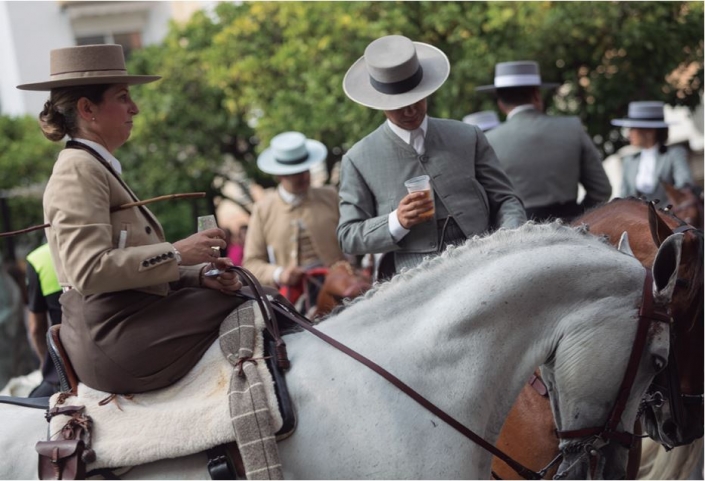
point(242, 73)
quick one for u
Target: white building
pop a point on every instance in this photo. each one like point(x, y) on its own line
point(29, 30)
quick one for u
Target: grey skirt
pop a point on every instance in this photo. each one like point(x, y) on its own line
point(130, 341)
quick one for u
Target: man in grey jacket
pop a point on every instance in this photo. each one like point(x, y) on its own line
point(546, 157)
point(471, 191)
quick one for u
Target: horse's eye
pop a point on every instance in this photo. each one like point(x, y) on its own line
point(658, 362)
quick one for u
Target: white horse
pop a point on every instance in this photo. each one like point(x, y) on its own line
point(465, 330)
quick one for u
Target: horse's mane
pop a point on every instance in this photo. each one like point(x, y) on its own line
point(500, 241)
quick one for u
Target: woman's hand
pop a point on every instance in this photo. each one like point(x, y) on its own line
point(201, 247)
point(228, 282)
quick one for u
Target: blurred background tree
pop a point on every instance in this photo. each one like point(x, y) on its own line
point(236, 76)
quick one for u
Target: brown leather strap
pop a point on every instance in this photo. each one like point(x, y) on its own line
point(520, 469)
point(539, 386)
point(270, 320)
point(648, 313)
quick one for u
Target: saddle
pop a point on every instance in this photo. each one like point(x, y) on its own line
point(66, 459)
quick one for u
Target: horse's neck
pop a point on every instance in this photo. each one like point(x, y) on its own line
point(467, 328)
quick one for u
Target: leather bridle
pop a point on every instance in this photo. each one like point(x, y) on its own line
point(649, 312)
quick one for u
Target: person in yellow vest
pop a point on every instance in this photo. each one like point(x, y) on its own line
point(43, 292)
point(292, 229)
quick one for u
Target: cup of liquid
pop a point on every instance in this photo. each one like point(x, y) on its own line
point(422, 183)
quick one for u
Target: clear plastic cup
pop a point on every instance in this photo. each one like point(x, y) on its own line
point(422, 183)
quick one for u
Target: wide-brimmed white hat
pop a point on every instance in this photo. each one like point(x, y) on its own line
point(485, 119)
point(87, 65)
point(520, 73)
point(291, 153)
point(643, 114)
point(395, 72)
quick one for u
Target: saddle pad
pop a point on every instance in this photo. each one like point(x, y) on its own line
point(188, 417)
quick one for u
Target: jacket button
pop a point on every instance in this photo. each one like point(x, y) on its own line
point(165, 257)
point(170, 255)
point(145, 264)
point(148, 230)
point(423, 158)
point(152, 261)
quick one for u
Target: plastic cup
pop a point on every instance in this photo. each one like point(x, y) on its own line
point(422, 183)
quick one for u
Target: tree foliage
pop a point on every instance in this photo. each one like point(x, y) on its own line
point(237, 75)
point(26, 160)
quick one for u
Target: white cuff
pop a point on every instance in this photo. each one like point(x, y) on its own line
point(395, 228)
point(277, 272)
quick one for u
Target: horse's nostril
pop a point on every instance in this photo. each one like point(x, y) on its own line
point(669, 427)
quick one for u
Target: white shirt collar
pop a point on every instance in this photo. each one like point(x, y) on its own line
point(288, 197)
point(114, 163)
point(520, 108)
point(404, 134)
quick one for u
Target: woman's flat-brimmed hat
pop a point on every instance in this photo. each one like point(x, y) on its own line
point(485, 119)
point(644, 115)
point(87, 65)
point(395, 72)
point(291, 153)
point(521, 73)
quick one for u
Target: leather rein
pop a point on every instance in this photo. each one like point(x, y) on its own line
point(648, 312)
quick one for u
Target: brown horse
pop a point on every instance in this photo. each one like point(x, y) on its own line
point(342, 281)
point(686, 203)
point(528, 434)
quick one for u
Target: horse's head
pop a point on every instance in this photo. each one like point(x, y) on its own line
point(673, 412)
point(595, 431)
point(686, 203)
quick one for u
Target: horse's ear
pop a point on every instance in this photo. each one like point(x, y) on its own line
point(623, 245)
point(665, 268)
point(659, 230)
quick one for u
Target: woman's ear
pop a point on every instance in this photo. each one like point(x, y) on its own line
point(85, 109)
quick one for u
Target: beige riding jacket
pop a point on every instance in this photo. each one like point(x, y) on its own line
point(96, 251)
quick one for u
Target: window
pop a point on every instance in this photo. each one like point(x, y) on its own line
point(129, 41)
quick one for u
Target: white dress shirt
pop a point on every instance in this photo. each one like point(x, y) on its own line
point(646, 174)
point(520, 108)
point(114, 163)
point(395, 228)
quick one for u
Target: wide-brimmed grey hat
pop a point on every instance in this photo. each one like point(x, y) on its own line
point(643, 114)
point(395, 72)
point(87, 65)
point(520, 73)
point(291, 153)
point(485, 119)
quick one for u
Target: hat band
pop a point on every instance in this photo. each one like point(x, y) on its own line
point(504, 81)
point(401, 87)
point(298, 160)
point(86, 74)
point(656, 119)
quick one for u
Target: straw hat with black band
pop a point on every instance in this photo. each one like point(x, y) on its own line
point(395, 72)
point(88, 65)
point(520, 73)
point(643, 115)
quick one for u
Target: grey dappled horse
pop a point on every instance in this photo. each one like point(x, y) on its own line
point(465, 330)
